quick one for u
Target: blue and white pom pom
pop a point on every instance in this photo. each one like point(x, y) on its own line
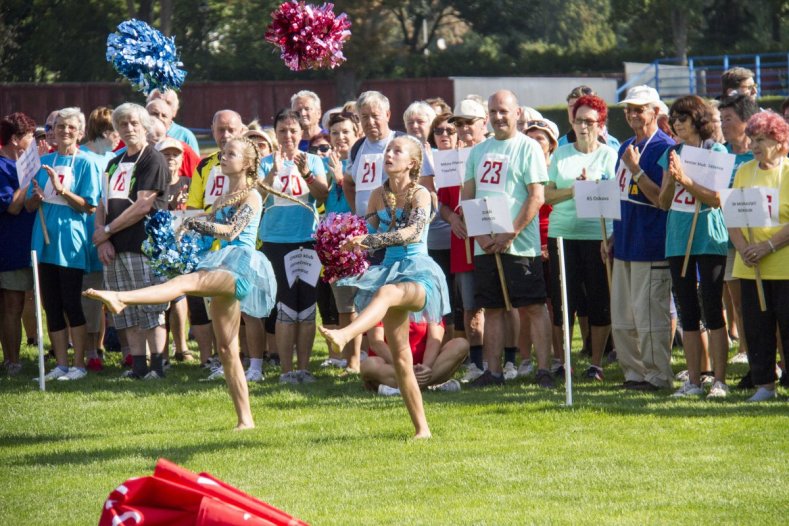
point(147, 58)
point(170, 257)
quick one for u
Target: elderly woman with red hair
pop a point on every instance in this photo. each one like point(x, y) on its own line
point(767, 248)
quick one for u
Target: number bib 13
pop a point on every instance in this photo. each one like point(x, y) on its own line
point(65, 176)
point(369, 175)
point(215, 187)
point(492, 173)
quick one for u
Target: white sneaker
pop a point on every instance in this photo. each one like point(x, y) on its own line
point(73, 374)
point(450, 386)
point(688, 389)
point(217, 374)
point(54, 374)
point(510, 372)
point(385, 390)
point(152, 375)
point(740, 357)
point(682, 376)
point(472, 373)
point(334, 362)
point(305, 377)
point(291, 377)
point(254, 375)
point(526, 368)
point(762, 394)
point(718, 390)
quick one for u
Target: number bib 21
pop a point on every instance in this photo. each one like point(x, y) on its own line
point(492, 173)
point(369, 175)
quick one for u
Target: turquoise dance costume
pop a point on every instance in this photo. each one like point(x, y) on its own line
point(403, 263)
point(256, 287)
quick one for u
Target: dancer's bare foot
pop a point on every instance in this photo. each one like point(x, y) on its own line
point(423, 434)
point(108, 297)
point(244, 425)
point(334, 337)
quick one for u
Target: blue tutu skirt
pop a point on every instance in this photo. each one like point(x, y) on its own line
point(414, 268)
point(256, 286)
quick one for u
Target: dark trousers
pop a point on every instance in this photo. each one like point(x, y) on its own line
point(760, 327)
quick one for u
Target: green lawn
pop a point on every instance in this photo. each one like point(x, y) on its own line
point(331, 453)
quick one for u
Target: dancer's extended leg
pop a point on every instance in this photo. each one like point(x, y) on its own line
point(209, 283)
point(408, 296)
point(396, 330)
point(226, 319)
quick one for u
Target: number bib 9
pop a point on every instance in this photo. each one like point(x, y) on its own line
point(215, 187)
point(120, 182)
point(369, 175)
point(290, 182)
point(65, 177)
point(492, 173)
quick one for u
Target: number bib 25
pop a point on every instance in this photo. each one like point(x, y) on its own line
point(369, 175)
point(492, 173)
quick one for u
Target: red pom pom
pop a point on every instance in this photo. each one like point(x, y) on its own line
point(310, 37)
point(332, 234)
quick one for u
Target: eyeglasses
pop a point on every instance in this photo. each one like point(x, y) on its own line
point(585, 122)
point(537, 124)
point(444, 131)
point(681, 117)
point(465, 122)
point(638, 110)
point(323, 148)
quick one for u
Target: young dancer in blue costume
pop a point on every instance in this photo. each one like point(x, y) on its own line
point(408, 283)
point(237, 277)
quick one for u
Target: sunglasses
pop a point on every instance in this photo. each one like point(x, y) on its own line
point(537, 124)
point(323, 148)
point(681, 117)
point(48, 127)
point(444, 131)
point(465, 122)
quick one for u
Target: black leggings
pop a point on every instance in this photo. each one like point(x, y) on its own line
point(760, 327)
point(586, 280)
point(710, 283)
point(61, 291)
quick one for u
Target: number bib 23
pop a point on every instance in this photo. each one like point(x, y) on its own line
point(492, 173)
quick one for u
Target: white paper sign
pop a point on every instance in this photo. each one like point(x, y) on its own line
point(302, 264)
point(369, 175)
point(180, 215)
point(449, 167)
point(706, 167)
point(489, 215)
point(595, 199)
point(28, 165)
point(750, 207)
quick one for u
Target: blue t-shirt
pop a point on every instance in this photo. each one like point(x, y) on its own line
point(710, 237)
point(285, 221)
point(15, 230)
point(183, 134)
point(641, 233)
point(69, 239)
point(335, 201)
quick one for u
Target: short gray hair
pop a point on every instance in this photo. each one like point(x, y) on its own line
point(372, 98)
point(420, 107)
point(130, 108)
point(234, 112)
point(166, 96)
point(72, 113)
point(305, 94)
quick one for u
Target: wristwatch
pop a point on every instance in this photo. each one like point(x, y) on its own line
point(107, 229)
point(638, 176)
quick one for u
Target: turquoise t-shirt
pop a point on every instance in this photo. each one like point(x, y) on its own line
point(94, 264)
point(739, 160)
point(566, 166)
point(335, 202)
point(285, 221)
point(69, 239)
point(507, 167)
point(711, 236)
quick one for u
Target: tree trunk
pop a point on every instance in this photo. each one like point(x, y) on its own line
point(166, 16)
point(679, 28)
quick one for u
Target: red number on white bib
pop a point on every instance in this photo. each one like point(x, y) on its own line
point(368, 173)
point(492, 173)
point(218, 188)
point(688, 199)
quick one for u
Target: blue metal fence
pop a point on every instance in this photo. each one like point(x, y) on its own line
point(701, 75)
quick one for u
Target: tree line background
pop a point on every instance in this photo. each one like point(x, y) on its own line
point(65, 40)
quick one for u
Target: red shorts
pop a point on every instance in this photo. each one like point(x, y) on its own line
point(417, 340)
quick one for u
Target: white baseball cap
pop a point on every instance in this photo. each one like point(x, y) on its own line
point(468, 109)
point(546, 125)
point(169, 142)
point(641, 96)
